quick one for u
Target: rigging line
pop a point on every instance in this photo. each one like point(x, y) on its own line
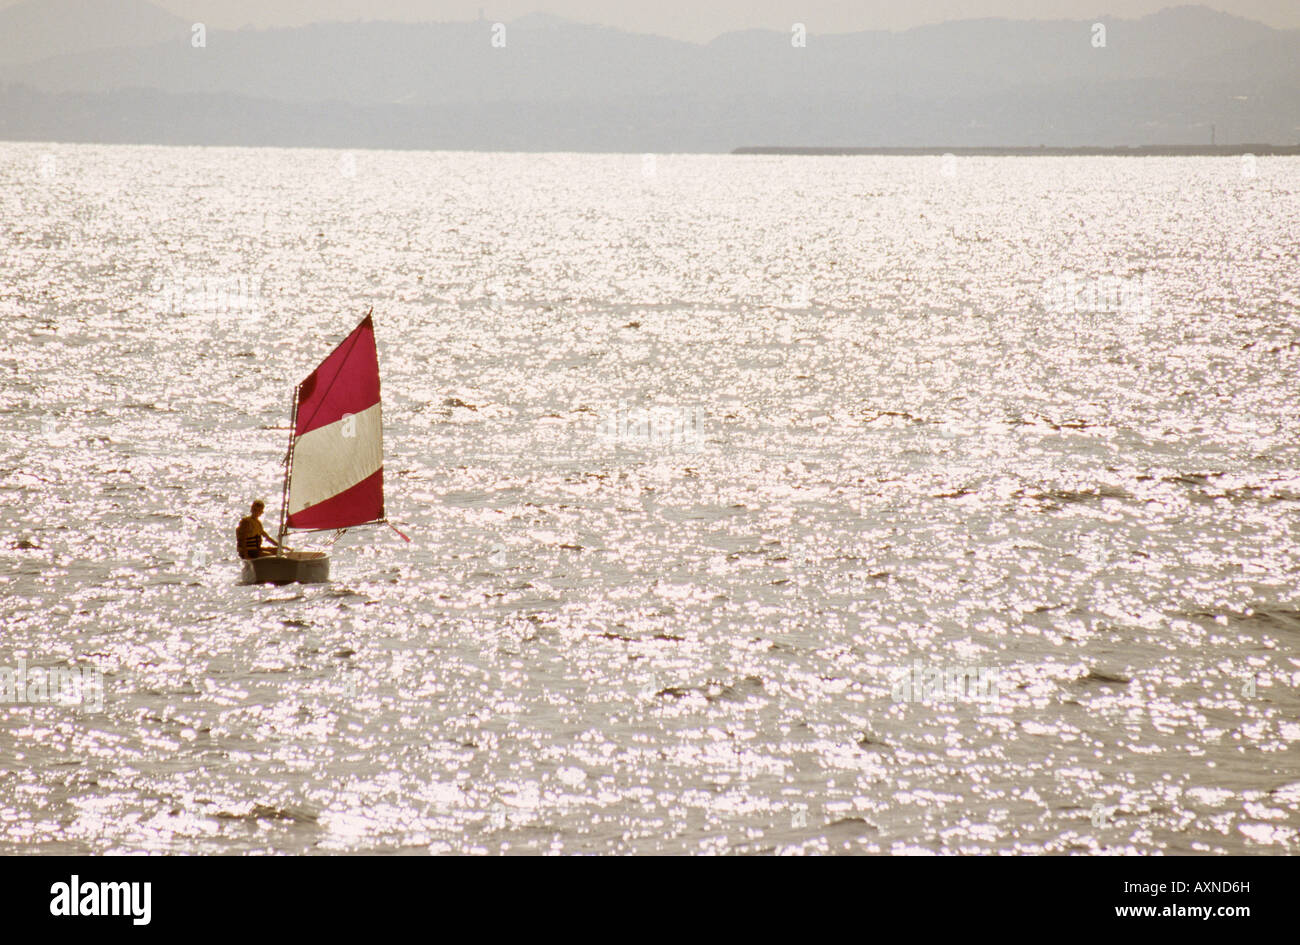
point(394, 528)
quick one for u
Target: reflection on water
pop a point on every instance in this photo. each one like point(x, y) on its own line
point(763, 504)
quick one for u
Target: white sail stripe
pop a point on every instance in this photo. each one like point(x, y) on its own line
point(334, 458)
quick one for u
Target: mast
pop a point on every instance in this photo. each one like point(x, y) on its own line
point(288, 470)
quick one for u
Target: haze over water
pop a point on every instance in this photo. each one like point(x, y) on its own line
point(705, 460)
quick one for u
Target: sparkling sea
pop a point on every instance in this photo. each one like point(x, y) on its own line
point(757, 504)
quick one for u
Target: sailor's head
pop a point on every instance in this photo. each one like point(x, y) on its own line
point(258, 506)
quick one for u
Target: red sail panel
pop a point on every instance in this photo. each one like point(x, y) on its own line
point(347, 382)
point(336, 477)
point(363, 503)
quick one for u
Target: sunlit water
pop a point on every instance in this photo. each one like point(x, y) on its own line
point(883, 440)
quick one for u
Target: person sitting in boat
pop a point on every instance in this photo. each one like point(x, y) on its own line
point(249, 534)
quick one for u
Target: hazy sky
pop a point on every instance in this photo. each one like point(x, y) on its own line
point(701, 20)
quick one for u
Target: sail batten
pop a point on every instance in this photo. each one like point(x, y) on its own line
point(336, 470)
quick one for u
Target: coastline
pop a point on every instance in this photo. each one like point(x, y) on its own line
point(1144, 150)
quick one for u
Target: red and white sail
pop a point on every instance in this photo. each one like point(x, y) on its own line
point(336, 468)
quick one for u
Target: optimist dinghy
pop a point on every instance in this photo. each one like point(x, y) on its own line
point(334, 470)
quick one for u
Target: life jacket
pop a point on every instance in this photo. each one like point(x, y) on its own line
point(250, 546)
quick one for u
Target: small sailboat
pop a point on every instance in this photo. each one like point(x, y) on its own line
point(334, 470)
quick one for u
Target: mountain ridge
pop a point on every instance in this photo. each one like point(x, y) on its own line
point(1161, 79)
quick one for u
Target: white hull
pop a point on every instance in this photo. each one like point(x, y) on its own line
point(293, 567)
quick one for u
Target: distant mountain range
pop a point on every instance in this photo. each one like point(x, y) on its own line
point(127, 71)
